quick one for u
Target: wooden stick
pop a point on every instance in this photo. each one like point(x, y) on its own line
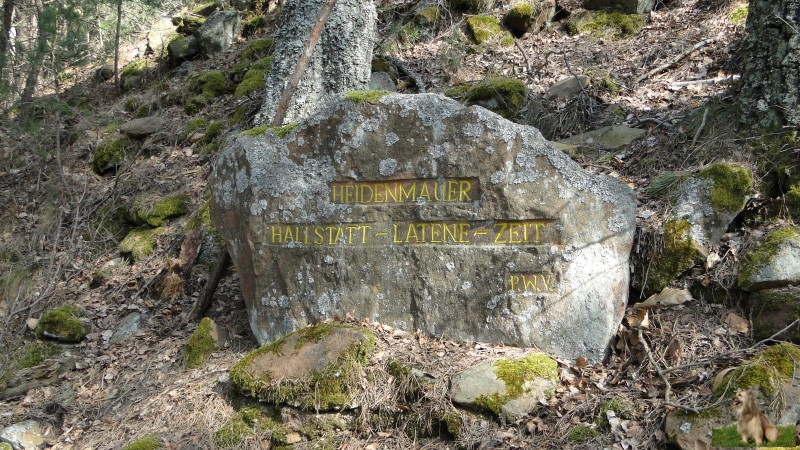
point(204, 301)
point(302, 63)
point(674, 60)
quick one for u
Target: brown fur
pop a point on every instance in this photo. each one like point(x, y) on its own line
point(752, 424)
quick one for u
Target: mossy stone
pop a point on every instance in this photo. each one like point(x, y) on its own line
point(202, 342)
point(515, 374)
point(505, 96)
point(210, 85)
point(248, 421)
point(258, 49)
point(520, 18)
point(427, 18)
point(679, 253)
point(766, 371)
point(156, 212)
point(739, 15)
point(254, 80)
point(486, 28)
point(110, 154)
point(150, 442)
point(316, 368)
point(762, 255)
point(140, 242)
point(205, 9)
point(63, 324)
point(253, 24)
point(381, 65)
point(365, 96)
point(772, 310)
point(188, 23)
point(731, 187)
point(612, 24)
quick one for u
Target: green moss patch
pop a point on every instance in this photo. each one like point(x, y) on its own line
point(110, 154)
point(732, 184)
point(200, 344)
point(151, 442)
point(486, 28)
point(156, 212)
point(505, 96)
point(613, 24)
point(258, 49)
point(140, 242)
point(581, 433)
point(766, 371)
point(515, 373)
point(247, 422)
point(210, 85)
point(739, 15)
point(520, 18)
point(764, 252)
point(679, 253)
point(63, 324)
point(290, 370)
point(428, 17)
point(365, 96)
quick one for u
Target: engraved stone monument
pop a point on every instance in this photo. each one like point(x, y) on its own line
point(423, 214)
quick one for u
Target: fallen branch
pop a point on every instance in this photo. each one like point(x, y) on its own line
point(705, 81)
point(404, 69)
point(674, 60)
point(525, 57)
point(661, 374)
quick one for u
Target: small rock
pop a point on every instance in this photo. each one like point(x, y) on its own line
point(139, 128)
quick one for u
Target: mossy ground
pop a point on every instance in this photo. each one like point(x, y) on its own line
point(365, 96)
point(728, 437)
point(63, 322)
point(612, 24)
point(140, 242)
point(487, 28)
point(765, 371)
point(110, 154)
point(151, 442)
point(250, 421)
point(209, 86)
point(200, 345)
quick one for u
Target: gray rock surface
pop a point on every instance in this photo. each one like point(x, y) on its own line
point(567, 88)
point(182, 49)
point(218, 31)
point(142, 127)
point(626, 6)
point(772, 310)
point(341, 60)
point(425, 215)
point(381, 81)
point(609, 138)
point(777, 263)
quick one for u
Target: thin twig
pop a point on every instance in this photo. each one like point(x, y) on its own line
point(700, 128)
point(525, 57)
point(661, 374)
point(674, 60)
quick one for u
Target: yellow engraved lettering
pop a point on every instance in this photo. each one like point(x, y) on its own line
point(318, 237)
point(350, 229)
point(289, 237)
point(514, 281)
point(452, 232)
point(410, 194)
point(381, 193)
point(499, 236)
point(330, 229)
point(305, 235)
point(337, 193)
point(547, 282)
point(423, 192)
point(436, 232)
point(339, 235)
point(452, 191)
point(364, 230)
point(438, 191)
point(536, 226)
point(530, 283)
point(411, 232)
point(463, 232)
point(424, 228)
point(277, 236)
point(394, 235)
point(349, 194)
point(465, 187)
point(514, 229)
point(390, 192)
point(367, 193)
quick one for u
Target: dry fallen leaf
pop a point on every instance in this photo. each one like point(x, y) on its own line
point(737, 323)
point(674, 351)
point(667, 297)
point(640, 320)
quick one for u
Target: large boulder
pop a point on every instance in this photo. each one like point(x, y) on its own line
point(423, 214)
point(341, 60)
point(218, 31)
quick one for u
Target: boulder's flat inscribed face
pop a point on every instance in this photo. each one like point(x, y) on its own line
point(425, 215)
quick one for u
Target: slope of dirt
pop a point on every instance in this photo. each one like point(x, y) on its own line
point(53, 245)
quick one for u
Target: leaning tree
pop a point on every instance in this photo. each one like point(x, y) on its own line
point(770, 89)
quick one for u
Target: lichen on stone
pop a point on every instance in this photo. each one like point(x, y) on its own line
point(764, 252)
point(515, 373)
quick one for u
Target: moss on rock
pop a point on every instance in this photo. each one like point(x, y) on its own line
point(365, 96)
point(764, 252)
point(505, 96)
point(110, 154)
point(140, 242)
point(252, 81)
point(766, 371)
point(63, 324)
point(486, 28)
point(210, 85)
point(200, 344)
point(156, 212)
point(258, 49)
point(428, 17)
point(612, 24)
point(731, 186)
point(520, 18)
point(515, 374)
point(331, 388)
point(246, 422)
point(679, 253)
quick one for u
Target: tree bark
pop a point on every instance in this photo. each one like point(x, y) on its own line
point(37, 58)
point(8, 16)
point(771, 71)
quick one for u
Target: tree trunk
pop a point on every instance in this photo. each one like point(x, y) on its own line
point(8, 16)
point(37, 59)
point(771, 72)
point(116, 48)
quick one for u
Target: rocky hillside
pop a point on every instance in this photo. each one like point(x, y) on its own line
point(107, 215)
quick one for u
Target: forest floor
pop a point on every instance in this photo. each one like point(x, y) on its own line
point(116, 392)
